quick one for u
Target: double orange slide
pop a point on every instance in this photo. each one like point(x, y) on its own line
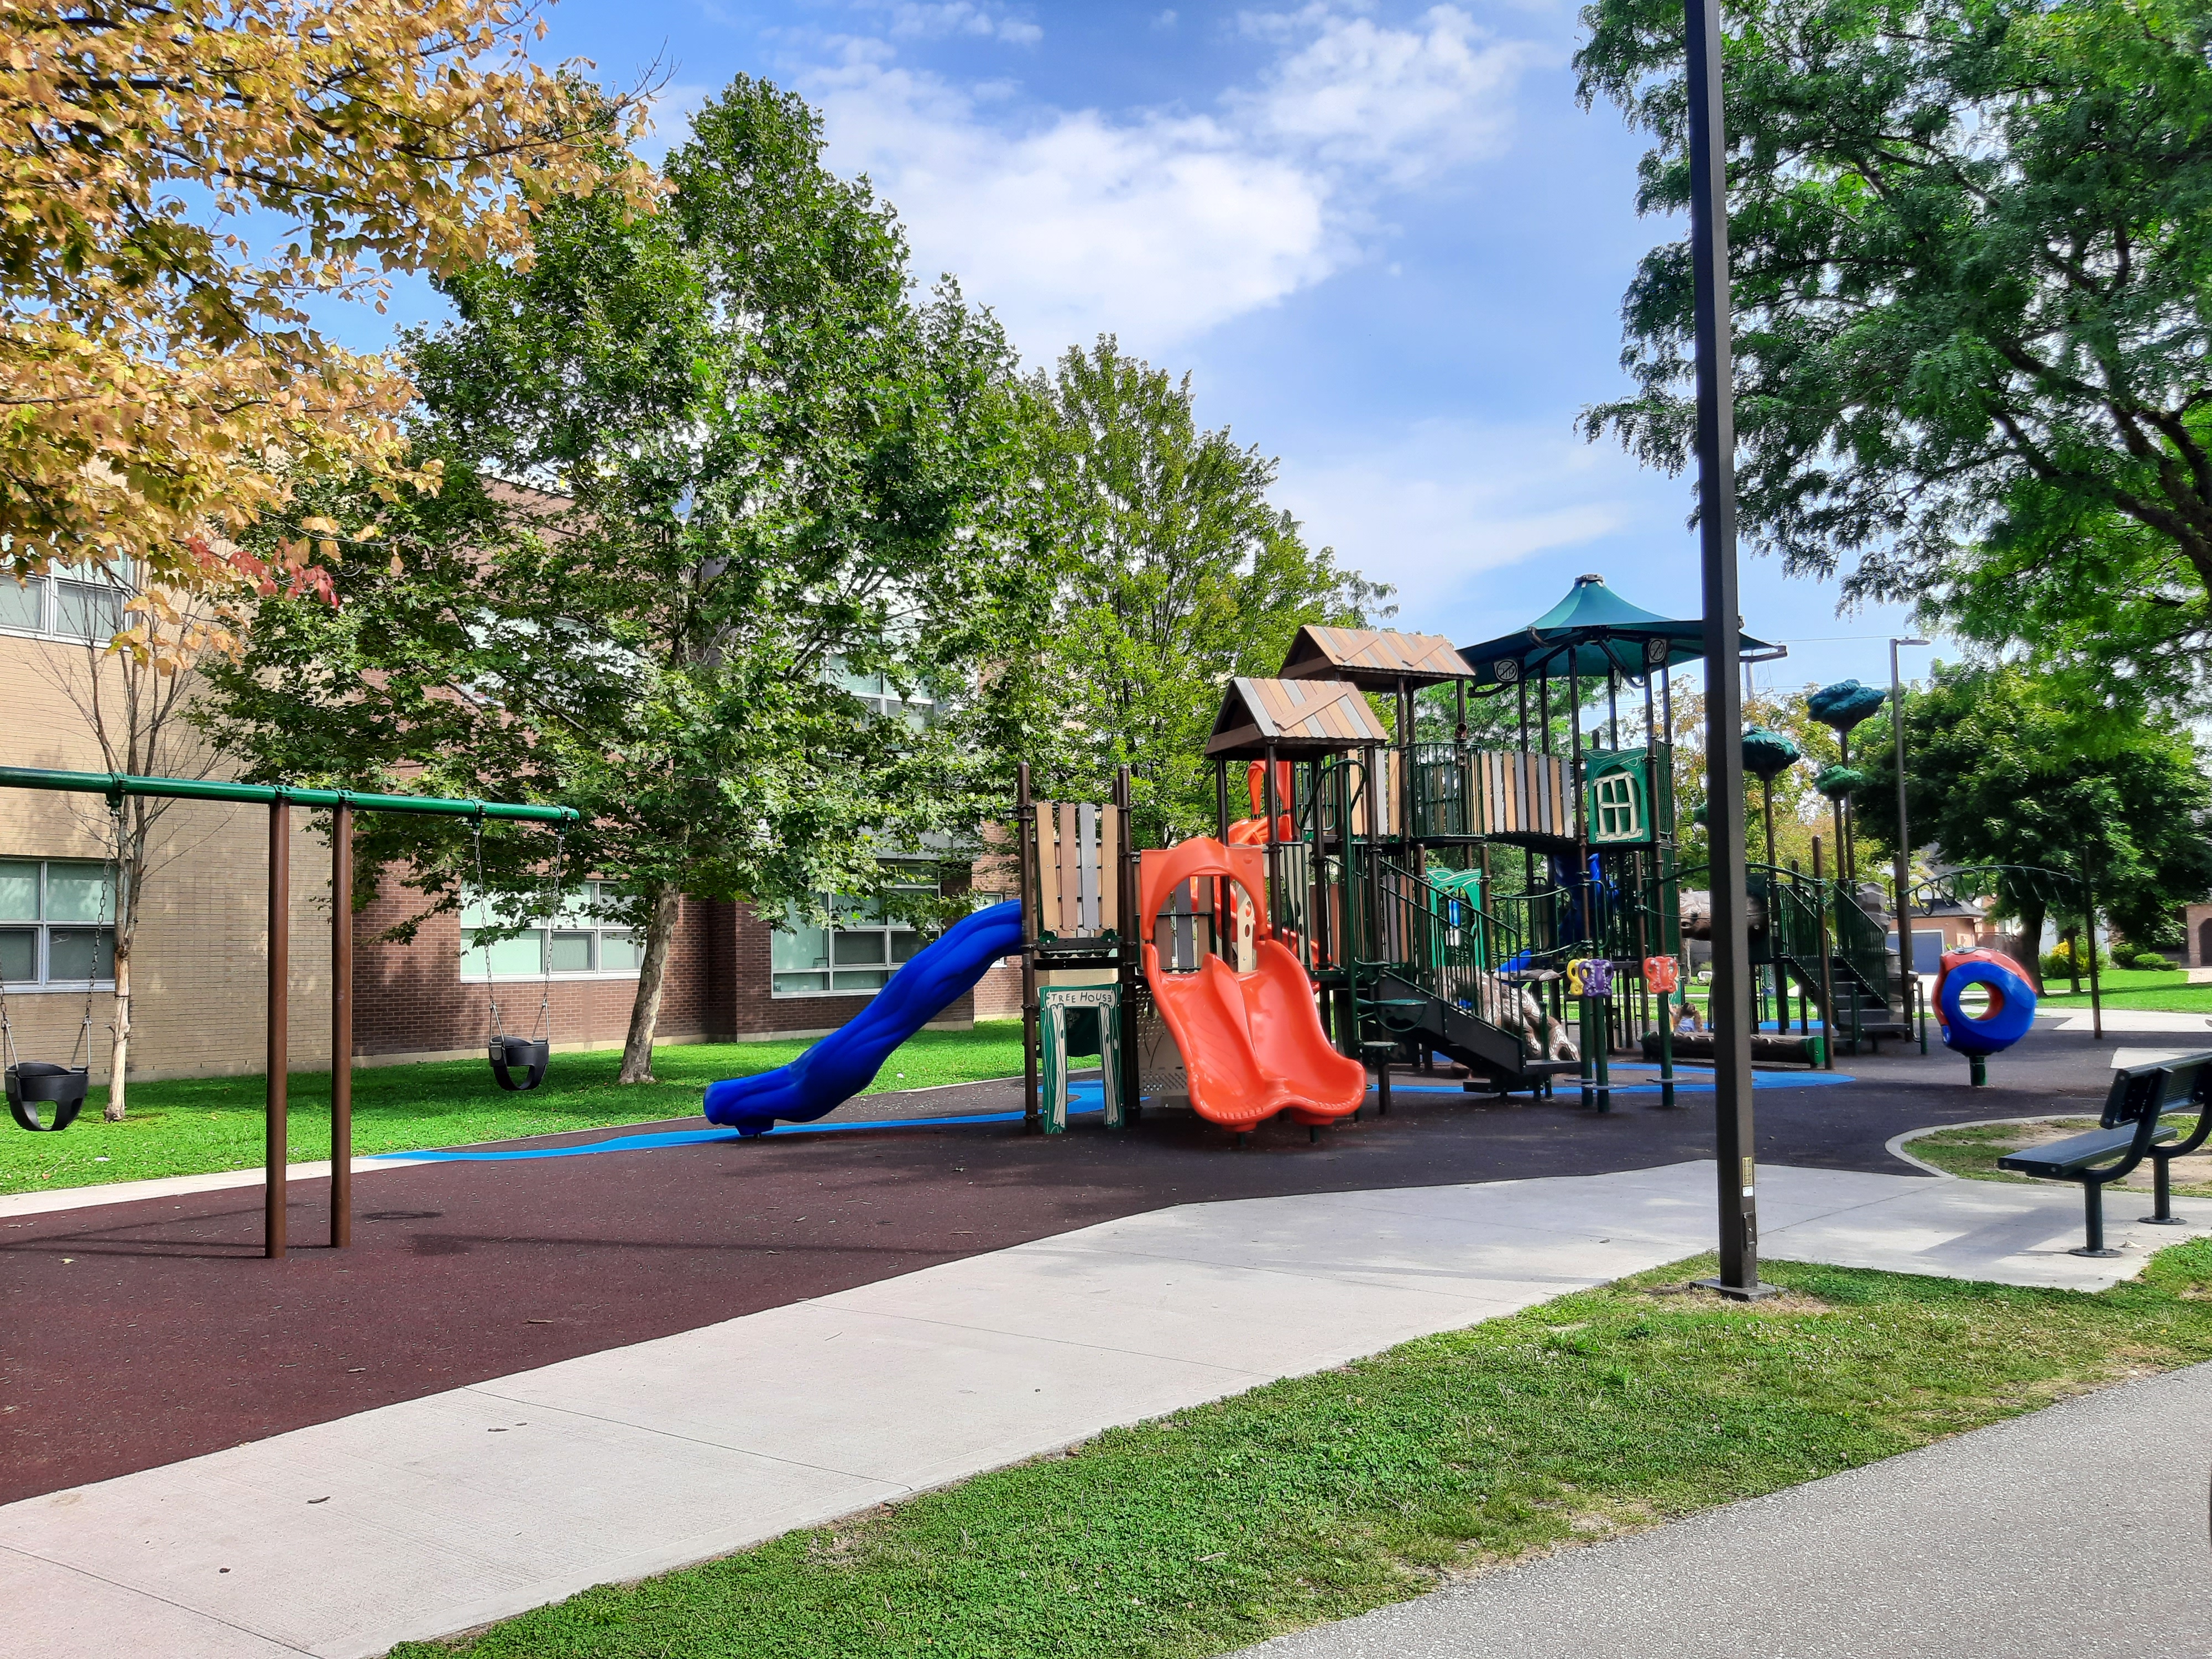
point(1252, 1043)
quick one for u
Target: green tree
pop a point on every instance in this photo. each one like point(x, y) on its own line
point(753, 461)
point(1149, 568)
point(2004, 766)
point(1970, 264)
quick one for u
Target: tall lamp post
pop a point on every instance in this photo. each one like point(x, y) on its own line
point(1904, 846)
point(1733, 1140)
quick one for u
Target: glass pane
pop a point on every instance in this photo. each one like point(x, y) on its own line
point(78, 892)
point(571, 953)
point(525, 953)
point(83, 611)
point(19, 890)
point(798, 945)
point(904, 943)
point(859, 981)
point(796, 984)
point(576, 904)
point(77, 954)
point(19, 954)
point(24, 606)
point(621, 952)
point(856, 950)
point(855, 912)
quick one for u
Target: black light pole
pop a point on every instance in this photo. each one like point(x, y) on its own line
point(1731, 1005)
point(1904, 906)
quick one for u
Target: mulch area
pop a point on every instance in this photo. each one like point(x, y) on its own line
point(135, 1335)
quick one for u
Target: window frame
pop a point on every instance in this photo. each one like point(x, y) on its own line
point(102, 585)
point(1631, 803)
point(42, 928)
point(889, 964)
point(581, 912)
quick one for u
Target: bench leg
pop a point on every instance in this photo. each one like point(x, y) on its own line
point(2093, 1202)
point(2161, 1210)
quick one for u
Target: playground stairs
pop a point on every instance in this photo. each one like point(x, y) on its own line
point(1431, 960)
point(1860, 966)
point(1408, 1013)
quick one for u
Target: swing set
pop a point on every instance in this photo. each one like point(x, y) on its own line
point(517, 1062)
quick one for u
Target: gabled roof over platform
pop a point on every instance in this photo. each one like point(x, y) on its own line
point(1298, 717)
point(1591, 632)
point(1377, 658)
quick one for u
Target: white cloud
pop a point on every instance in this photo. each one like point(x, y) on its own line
point(1405, 102)
point(1441, 503)
point(1158, 229)
point(914, 19)
point(1160, 224)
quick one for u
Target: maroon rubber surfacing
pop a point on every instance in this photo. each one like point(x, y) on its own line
point(137, 1334)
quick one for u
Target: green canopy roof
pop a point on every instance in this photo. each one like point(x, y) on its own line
point(1591, 632)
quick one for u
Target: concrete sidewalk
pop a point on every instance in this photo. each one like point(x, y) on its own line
point(2076, 1531)
point(437, 1514)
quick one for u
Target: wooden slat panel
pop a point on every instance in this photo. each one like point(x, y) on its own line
point(1071, 920)
point(1109, 866)
point(1086, 866)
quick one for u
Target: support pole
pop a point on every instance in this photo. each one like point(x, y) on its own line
point(1827, 967)
point(1733, 1139)
point(275, 1147)
point(1024, 832)
point(1135, 928)
point(2096, 995)
point(1904, 907)
point(340, 1026)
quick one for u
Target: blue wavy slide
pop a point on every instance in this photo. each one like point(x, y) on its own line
point(841, 1064)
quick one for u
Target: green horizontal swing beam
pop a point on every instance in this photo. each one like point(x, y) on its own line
point(114, 784)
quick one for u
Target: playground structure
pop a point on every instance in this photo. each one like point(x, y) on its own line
point(1395, 895)
point(30, 1083)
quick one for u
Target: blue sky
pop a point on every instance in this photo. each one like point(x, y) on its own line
point(1382, 238)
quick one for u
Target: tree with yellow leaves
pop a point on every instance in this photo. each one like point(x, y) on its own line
point(162, 383)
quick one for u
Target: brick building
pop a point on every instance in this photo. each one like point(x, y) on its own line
point(199, 962)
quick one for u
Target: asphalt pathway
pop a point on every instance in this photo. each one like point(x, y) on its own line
point(134, 1335)
point(2080, 1531)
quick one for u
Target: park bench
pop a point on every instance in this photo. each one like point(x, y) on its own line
point(2129, 1131)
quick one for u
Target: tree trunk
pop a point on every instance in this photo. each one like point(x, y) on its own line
point(118, 1052)
point(130, 861)
point(645, 1012)
point(2026, 946)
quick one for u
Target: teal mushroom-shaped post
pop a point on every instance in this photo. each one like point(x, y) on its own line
point(1766, 755)
point(1839, 783)
point(1840, 707)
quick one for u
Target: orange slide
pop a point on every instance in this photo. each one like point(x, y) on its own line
point(1252, 1043)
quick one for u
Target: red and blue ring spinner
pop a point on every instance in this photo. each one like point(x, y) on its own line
point(2011, 1010)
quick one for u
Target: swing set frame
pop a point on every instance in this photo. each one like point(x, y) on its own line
point(280, 799)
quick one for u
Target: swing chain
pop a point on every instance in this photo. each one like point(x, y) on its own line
point(483, 903)
point(114, 873)
point(545, 1026)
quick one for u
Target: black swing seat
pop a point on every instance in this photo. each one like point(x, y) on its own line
point(35, 1083)
point(518, 1063)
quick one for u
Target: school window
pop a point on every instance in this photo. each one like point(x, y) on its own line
point(582, 943)
point(1618, 814)
point(880, 694)
point(76, 602)
point(57, 922)
point(858, 951)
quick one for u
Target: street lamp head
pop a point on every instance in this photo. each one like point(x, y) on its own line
point(1915, 640)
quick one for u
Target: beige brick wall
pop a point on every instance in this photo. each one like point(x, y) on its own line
point(200, 967)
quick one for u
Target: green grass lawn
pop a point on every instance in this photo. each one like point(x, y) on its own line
point(2129, 988)
point(1973, 1151)
point(196, 1125)
point(1321, 1497)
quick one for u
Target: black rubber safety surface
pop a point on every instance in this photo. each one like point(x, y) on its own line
point(135, 1335)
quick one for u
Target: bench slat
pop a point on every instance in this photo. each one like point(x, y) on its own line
point(2060, 1159)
